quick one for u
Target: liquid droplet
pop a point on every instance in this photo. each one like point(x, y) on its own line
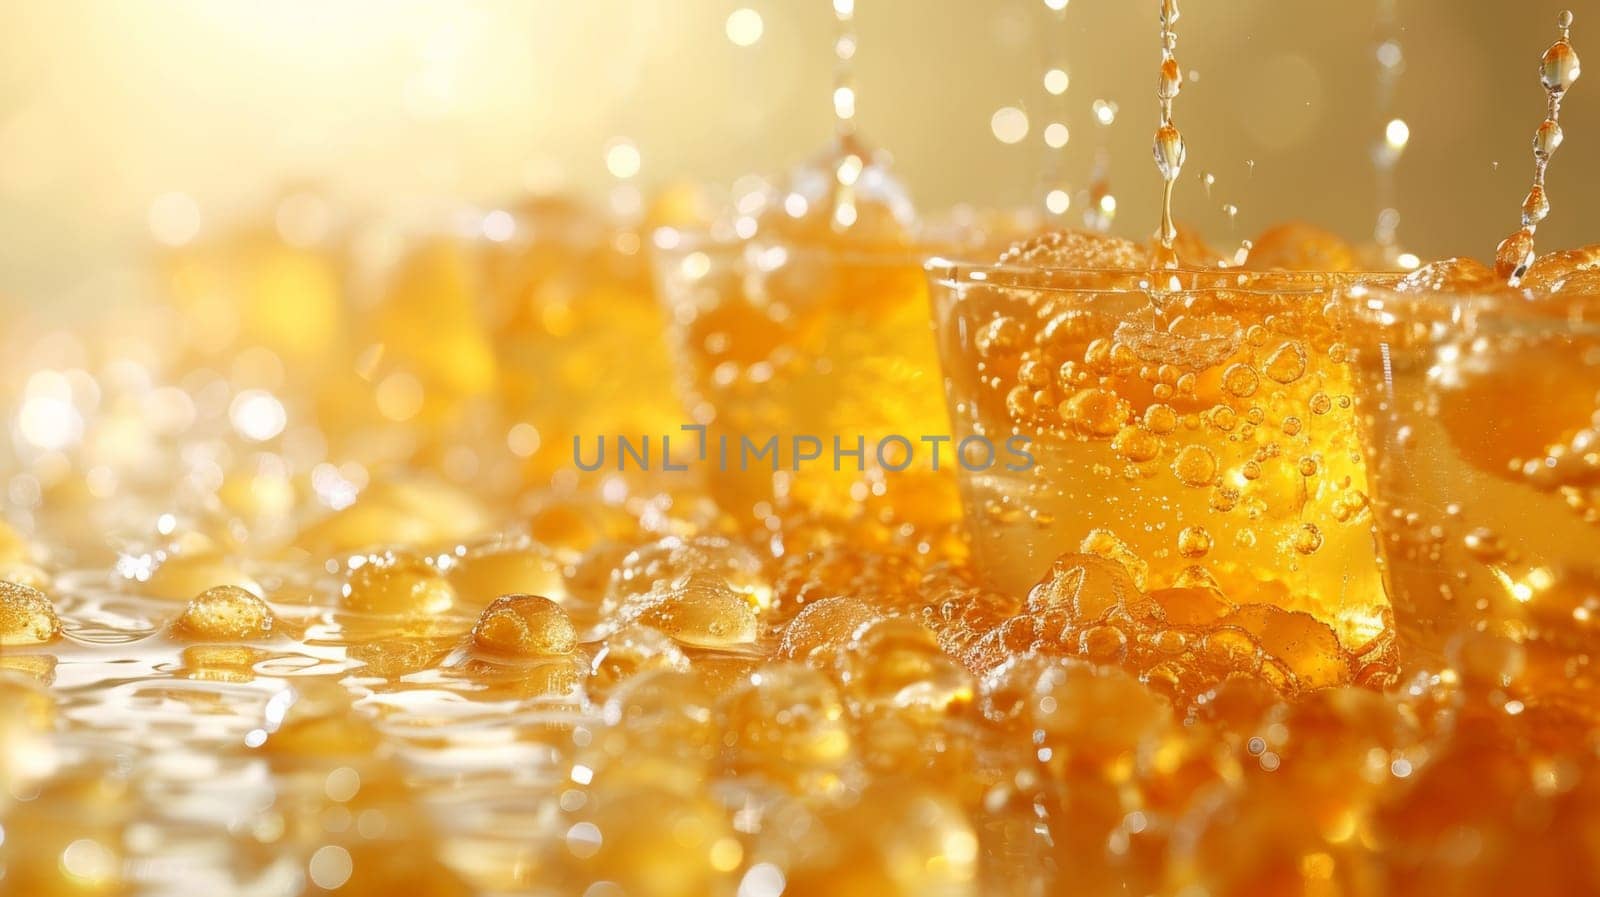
point(1546, 140)
point(26, 616)
point(525, 626)
point(1170, 81)
point(1169, 152)
point(1559, 68)
point(225, 612)
point(1535, 207)
point(1514, 256)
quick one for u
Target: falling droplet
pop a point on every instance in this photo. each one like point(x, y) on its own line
point(1558, 71)
point(1052, 177)
point(1514, 256)
point(1396, 133)
point(1559, 68)
point(1168, 148)
point(1170, 81)
point(1535, 207)
point(1546, 140)
point(844, 108)
point(844, 49)
point(1169, 152)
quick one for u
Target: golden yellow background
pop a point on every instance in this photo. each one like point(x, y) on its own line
point(409, 107)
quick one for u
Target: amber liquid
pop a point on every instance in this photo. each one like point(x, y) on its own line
point(226, 665)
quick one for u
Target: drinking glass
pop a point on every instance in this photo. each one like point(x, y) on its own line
point(825, 347)
point(1197, 426)
point(1480, 410)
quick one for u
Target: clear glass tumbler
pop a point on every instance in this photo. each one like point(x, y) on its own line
point(1481, 412)
point(802, 343)
point(1197, 426)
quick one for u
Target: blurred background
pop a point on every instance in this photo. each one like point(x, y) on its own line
point(124, 125)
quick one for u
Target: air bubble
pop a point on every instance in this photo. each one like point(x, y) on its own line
point(1240, 380)
point(1195, 466)
point(1287, 363)
point(1308, 539)
point(1194, 542)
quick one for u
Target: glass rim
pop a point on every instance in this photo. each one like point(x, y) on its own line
point(1195, 279)
point(1508, 311)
